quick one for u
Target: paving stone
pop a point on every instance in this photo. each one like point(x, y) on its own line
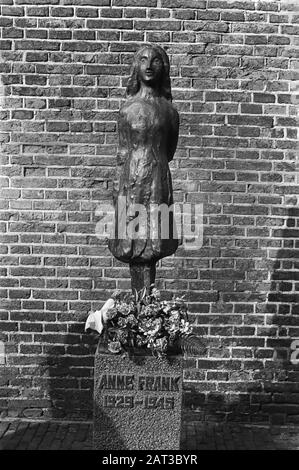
point(17, 435)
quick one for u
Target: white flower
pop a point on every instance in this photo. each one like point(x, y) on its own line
point(166, 307)
point(96, 320)
point(185, 327)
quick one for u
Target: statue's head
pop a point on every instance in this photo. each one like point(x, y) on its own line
point(151, 66)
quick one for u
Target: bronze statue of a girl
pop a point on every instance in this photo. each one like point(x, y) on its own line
point(148, 133)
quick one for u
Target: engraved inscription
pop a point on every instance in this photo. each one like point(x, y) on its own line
point(129, 401)
point(149, 383)
point(116, 382)
point(158, 383)
point(118, 401)
point(164, 403)
point(139, 383)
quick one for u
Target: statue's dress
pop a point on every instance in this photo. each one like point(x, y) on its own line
point(148, 132)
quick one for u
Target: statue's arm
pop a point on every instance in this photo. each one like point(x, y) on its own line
point(173, 134)
point(121, 156)
point(122, 151)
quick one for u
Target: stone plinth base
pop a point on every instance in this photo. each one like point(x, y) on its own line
point(137, 402)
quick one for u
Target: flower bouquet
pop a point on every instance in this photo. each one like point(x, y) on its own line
point(142, 322)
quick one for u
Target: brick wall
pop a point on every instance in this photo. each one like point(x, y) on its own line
point(63, 69)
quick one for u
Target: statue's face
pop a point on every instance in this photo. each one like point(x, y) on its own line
point(150, 67)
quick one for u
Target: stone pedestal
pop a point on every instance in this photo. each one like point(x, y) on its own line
point(137, 402)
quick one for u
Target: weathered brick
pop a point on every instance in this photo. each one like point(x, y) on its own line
point(87, 12)
point(12, 11)
point(22, 114)
point(110, 24)
point(232, 16)
point(37, 11)
point(13, 33)
point(158, 25)
point(134, 12)
point(134, 3)
point(183, 4)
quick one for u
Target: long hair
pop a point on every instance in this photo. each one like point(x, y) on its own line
point(133, 85)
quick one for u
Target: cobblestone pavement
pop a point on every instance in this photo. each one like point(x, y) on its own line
point(54, 435)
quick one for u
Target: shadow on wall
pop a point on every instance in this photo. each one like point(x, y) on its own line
point(283, 301)
point(268, 391)
point(70, 374)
